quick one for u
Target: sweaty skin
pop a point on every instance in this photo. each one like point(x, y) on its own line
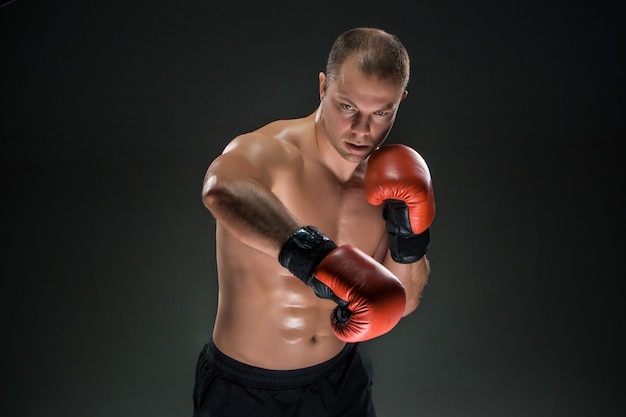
point(268, 183)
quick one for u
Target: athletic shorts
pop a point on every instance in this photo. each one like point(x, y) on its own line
point(341, 386)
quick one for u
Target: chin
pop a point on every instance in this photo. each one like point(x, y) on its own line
point(354, 158)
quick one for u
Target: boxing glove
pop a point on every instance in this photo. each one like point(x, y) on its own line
point(398, 178)
point(370, 299)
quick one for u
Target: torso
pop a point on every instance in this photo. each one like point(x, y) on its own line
point(266, 317)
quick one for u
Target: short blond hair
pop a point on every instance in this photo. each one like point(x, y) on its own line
point(378, 53)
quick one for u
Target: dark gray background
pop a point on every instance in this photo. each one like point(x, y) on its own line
point(111, 112)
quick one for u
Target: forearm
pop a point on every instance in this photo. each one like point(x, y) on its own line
point(413, 276)
point(250, 211)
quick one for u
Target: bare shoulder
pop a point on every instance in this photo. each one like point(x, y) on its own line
point(273, 145)
point(277, 145)
point(271, 152)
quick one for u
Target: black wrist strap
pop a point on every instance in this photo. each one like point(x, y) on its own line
point(303, 251)
point(405, 246)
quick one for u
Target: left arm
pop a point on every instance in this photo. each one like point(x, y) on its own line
point(398, 178)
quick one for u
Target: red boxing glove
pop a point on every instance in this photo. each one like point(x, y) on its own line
point(370, 299)
point(374, 297)
point(398, 177)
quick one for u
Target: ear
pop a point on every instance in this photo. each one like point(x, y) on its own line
point(406, 93)
point(322, 78)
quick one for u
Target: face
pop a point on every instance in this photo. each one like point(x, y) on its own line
point(357, 111)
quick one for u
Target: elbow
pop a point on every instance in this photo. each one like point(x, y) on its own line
point(221, 194)
point(410, 305)
point(211, 192)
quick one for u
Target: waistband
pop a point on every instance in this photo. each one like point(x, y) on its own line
point(253, 376)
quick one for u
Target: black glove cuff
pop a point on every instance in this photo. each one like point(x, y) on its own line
point(304, 250)
point(405, 246)
point(409, 249)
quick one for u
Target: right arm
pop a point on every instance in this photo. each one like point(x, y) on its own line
point(237, 190)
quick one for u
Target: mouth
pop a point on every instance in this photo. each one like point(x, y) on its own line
point(357, 149)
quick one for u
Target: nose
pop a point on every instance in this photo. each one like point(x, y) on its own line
point(361, 125)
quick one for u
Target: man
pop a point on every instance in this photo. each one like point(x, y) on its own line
point(320, 246)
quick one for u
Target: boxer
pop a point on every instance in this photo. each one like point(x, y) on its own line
point(322, 234)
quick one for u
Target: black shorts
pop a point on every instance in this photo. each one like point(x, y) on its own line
point(341, 386)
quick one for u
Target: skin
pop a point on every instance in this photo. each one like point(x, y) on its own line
point(268, 183)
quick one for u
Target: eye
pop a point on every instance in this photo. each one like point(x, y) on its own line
point(347, 107)
point(381, 113)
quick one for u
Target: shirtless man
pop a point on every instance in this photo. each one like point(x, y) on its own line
point(320, 246)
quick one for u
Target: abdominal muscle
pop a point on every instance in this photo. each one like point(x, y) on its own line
point(267, 317)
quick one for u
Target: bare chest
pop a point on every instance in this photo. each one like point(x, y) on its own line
point(340, 210)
